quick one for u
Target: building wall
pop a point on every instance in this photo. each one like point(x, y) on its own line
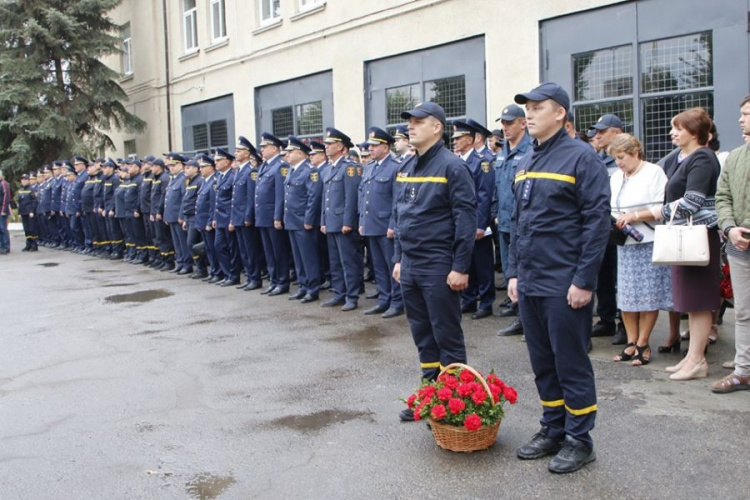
point(341, 37)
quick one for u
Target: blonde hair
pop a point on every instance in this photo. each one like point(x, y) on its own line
point(626, 143)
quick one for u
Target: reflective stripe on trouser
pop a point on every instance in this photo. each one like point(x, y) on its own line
point(434, 314)
point(114, 235)
point(556, 336)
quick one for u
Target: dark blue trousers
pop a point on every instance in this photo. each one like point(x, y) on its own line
point(183, 255)
point(77, 231)
point(306, 262)
point(556, 336)
point(389, 291)
point(251, 251)
point(213, 261)
point(114, 233)
point(138, 231)
point(194, 237)
point(164, 239)
point(325, 262)
point(481, 275)
point(434, 314)
point(225, 243)
point(346, 265)
point(606, 301)
point(277, 252)
point(30, 230)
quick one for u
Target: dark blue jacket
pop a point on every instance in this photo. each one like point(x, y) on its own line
point(252, 182)
point(505, 171)
point(87, 194)
point(108, 194)
point(98, 191)
point(26, 200)
point(189, 200)
point(436, 214)
point(269, 192)
point(45, 198)
point(173, 198)
point(484, 185)
point(121, 208)
point(132, 194)
point(158, 192)
point(77, 189)
point(560, 224)
point(322, 169)
point(239, 195)
point(340, 203)
point(223, 205)
point(57, 195)
point(205, 203)
point(376, 197)
point(144, 195)
point(302, 192)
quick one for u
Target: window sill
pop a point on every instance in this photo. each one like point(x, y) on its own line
point(267, 27)
point(308, 12)
point(126, 78)
point(189, 55)
point(223, 42)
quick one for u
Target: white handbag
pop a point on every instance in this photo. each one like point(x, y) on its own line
point(681, 245)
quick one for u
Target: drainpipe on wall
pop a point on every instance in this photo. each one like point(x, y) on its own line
point(166, 71)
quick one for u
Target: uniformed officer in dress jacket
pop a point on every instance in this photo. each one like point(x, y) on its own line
point(204, 208)
point(27, 204)
point(249, 246)
point(225, 241)
point(340, 220)
point(162, 237)
point(376, 221)
point(172, 202)
point(193, 182)
point(319, 161)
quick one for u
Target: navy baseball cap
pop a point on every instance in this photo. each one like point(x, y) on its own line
point(591, 132)
point(109, 163)
point(425, 109)
point(478, 127)
point(193, 163)
point(149, 159)
point(158, 162)
point(511, 112)
point(547, 90)
point(379, 136)
point(497, 132)
point(607, 121)
point(571, 116)
point(176, 157)
point(294, 143)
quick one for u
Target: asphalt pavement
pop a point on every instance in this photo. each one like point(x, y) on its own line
point(120, 382)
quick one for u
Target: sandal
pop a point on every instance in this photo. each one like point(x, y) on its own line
point(639, 359)
point(685, 335)
point(714, 335)
point(624, 356)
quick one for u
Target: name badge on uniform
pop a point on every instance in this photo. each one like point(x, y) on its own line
point(528, 184)
point(411, 193)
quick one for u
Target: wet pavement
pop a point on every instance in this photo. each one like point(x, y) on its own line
point(120, 382)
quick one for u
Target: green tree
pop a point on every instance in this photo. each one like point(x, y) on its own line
point(57, 97)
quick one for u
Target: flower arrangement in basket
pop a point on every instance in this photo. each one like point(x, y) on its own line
point(464, 408)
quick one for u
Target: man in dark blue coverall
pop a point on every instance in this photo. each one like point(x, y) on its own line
point(436, 218)
point(559, 229)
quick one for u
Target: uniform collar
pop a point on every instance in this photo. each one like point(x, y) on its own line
point(548, 143)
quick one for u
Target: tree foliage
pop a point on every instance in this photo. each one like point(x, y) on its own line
point(57, 97)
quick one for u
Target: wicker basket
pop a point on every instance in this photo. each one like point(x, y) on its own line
point(450, 437)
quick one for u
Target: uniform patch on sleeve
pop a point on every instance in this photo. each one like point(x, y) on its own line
point(284, 171)
point(350, 171)
point(359, 171)
point(254, 176)
point(314, 176)
point(402, 174)
point(486, 167)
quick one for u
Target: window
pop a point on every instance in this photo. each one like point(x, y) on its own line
point(398, 100)
point(129, 148)
point(210, 135)
point(282, 120)
point(190, 18)
point(127, 51)
point(450, 93)
point(200, 136)
point(218, 21)
point(270, 10)
point(303, 120)
point(304, 5)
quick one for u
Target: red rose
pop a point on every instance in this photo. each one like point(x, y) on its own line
point(426, 392)
point(466, 376)
point(444, 394)
point(410, 401)
point(456, 406)
point(417, 416)
point(479, 396)
point(464, 390)
point(450, 381)
point(438, 412)
point(472, 422)
point(510, 394)
point(492, 378)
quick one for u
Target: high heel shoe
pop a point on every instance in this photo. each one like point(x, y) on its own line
point(700, 370)
point(639, 357)
point(624, 356)
point(677, 367)
point(666, 349)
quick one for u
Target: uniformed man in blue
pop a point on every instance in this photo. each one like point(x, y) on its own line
point(319, 161)
point(172, 203)
point(401, 142)
point(44, 206)
point(302, 193)
point(376, 221)
point(204, 208)
point(480, 140)
point(123, 207)
point(246, 245)
point(162, 238)
point(115, 237)
point(27, 203)
point(340, 220)
point(87, 209)
point(436, 213)
point(144, 208)
point(517, 146)
point(225, 241)
point(103, 248)
point(188, 207)
point(482, 271)
point(269, 213)
point(137, 228)
point(79, 225)
point(559, 231)
point(255, 239)
point(56, 214)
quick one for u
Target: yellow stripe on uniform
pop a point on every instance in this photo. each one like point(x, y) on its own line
point(436, 364)
point(553, 404)
point(583, 411)
point(438, 180)
point(545, 175)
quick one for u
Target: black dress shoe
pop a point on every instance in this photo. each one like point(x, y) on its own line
point(226, 283)
point(268, 290)
point(326, 285)
point(539, 446)
point(241, 286)
point(373, 295)
point(573, 455)
point(332, 303)
point(207, 278)
point(506, 303)
point(603, 329)
point(308, 298)
point(349, 306)
point(185, 270)
point(620, 337)
point(199, 275)
point(215, 279)
point(515, 328)
point(481, 313)
point(406, 415)
point(115, 256)
point(220, 282)
point(392, 312)
point(176, 270)
point(469, 308)
point(508, 312)
point(298, 295)
point(252, 285)
point(278, 291)
point(376, 310)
